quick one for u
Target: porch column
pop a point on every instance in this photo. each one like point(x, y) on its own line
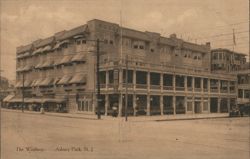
point(208, 86)
point(228, 104)
point(202, 104)
point(148, 104)
point(185, 104)
point(208, 103)
point(134, 79)
point(107, 79)
point(174, 104)
point(106, 104)
point(219, 101)
point(120, 106)
point(134, 103)
point(161, 82)
point(185, 83)
point(202, 84)
point(174, 82)
point(161, 104)
point(193, 104)
point(193, 84)
point(148, 81)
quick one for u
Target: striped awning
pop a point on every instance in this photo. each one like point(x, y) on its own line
point(80, 57)
point(47, 64)
point(66, 59)
point(39, 50)
point(46, 48)
point(79, 78)
point(47, 82)
point(64, 80)
point(8, 98)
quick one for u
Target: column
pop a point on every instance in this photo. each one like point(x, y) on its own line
point(219, 100)
point(161, 104)
point(174, 82)
point(219, 86)
point(106, 104)
point(243, 94)
point(193, 84)
point(134, 103)
point(185, 83)
point(202, 104)
point(134, 79)
point(193, 104)
point(208, 85)
point(202, 84)
point(185, 104)
point(148, 81)
point(148, 104)
point(107, 79)
point(120, 80)
point(161, 82)
point(228, 104)
point(208, 104)
point(174, 104)
point(120, 106)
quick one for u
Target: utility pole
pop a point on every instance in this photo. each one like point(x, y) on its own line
point(126, 96)
point(23, 92)
point(97, 76)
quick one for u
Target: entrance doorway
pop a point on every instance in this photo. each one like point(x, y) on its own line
point(197, 107)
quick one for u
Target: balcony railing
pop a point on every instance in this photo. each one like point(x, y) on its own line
point(168, 87)
point(197, 89)
point(179, 88)
point(141, 86)
point(214, 90)
point(224, 91)
point(190, 89)
point(155, 87)
point(129, 85)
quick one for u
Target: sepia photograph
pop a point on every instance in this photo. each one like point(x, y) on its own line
point(124, 79)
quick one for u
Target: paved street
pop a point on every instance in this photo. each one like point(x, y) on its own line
point(37, 136)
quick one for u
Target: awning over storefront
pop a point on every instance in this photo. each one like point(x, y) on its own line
point(47, 82)
point(64, 80)
point(80, 57)
point(38, 82)
point(27, 68)
point(46, 48)
point(8, 98)
point(39, 64)
point(79, 78)
point(18, 84)
point(47, 64)
point(23, 55)
point(37, 51)
point(78, 36)
point(66, 59)
point(27, 83)
point(16, 100)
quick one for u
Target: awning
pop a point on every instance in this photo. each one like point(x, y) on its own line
point(33, 100)
point(54, 100)
point(47, 64)
point(27, 83)
point(47, 82)
point(39, 65)
point(18, 84)
point(26, 54)
point(79, 78)
point(60, 43)
point(8, 98)
point(16, 100)
point(80, 57)
point(33, 83)
point(64, 80)
point(37, 51)
point(46, 48)
point(38, 82)
point(66, 59)
point(78, 36)
point(26, 68)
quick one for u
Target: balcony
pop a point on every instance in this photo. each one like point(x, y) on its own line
point(141, 86)
point(180, 88)
point(197, 89)
point(168, 87)
point(155, 87)
point(214, 90)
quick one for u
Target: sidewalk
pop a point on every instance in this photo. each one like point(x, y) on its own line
point(130, 118)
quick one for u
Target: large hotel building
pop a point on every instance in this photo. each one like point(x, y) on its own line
point(165, 75)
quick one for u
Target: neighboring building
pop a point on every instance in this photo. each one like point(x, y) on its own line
point(243, 76)
point(165, 75)
point(224, 60)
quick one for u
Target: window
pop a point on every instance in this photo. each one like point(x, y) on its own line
point(84, 41)
point(135, 46)
point(105, 41)
point(189, 106)
point(78, 42)
point(111, 42)
point(152, 50)
point(141, 47)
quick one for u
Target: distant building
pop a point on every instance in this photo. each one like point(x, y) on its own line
point(165, 75)
point(224, 60)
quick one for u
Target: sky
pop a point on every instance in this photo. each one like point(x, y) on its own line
point(24, 21)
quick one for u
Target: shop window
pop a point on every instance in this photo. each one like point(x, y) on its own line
point(152, 50)
point(84, 41)
point(135, 46)
point(141, 47)
point(78, 42)
point(111, 42)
